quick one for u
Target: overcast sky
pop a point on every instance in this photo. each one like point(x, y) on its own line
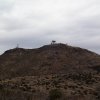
point(33, 23)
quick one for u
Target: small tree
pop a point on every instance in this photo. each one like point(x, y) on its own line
point(53, 42)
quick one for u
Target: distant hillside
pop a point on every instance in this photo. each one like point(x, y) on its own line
point(49, 59)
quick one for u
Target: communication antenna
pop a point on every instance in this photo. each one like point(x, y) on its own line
point(17, 46)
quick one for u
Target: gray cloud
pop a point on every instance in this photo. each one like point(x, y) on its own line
point(32, 23)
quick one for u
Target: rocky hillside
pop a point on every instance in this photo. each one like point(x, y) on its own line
point(49, 59)
point(73, 71)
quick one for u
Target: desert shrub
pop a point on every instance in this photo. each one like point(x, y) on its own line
point(98, 92)
point(55, 82)
point(1, 86)
point(55, 94)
